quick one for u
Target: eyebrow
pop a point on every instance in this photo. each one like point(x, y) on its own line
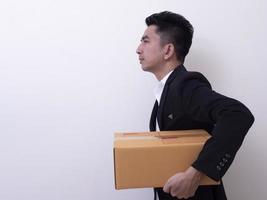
point(144, 37)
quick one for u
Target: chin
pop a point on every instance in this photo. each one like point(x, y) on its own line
point(145, 68)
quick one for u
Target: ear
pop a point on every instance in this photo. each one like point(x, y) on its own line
point(169, 51)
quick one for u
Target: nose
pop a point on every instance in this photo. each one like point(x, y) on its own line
point(138, 50)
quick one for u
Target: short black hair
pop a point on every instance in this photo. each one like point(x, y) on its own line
point(173, 28)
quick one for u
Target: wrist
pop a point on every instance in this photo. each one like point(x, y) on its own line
point(194, 173)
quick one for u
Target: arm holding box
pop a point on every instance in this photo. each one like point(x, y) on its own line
point(232, 121)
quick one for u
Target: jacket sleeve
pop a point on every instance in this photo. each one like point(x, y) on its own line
point(231, 120)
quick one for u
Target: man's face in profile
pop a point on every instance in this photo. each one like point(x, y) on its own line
point(150, 50)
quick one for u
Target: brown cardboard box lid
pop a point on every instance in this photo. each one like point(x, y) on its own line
point(162, 138)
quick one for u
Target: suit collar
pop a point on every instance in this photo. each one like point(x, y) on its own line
point(176, 72)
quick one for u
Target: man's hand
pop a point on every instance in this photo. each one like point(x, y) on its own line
point(185, 184)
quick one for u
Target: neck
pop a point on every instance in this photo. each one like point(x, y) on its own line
point(165, 69)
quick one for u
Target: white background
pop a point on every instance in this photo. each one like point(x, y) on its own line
point(70, 78)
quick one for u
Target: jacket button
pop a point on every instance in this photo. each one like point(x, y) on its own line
point(227, 155)
point(218, 168)
point(222, 164)
point(225, 160)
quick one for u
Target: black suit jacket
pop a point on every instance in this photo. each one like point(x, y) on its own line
point(188, 102)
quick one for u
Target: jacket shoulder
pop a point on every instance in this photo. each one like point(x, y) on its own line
point(191, 79)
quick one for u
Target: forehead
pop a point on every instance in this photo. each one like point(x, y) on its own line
point(151, 33)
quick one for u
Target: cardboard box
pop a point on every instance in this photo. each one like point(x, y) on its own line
point(149, 159)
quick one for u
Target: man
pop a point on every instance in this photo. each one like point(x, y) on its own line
point(185, 100)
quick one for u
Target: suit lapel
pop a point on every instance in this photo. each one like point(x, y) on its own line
point(177, 70)
point(161, 105)
point(152, 124)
